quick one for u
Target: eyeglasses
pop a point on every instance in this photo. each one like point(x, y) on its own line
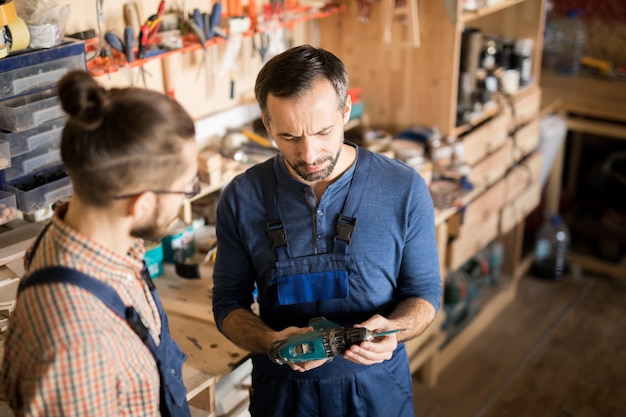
point(189, 194)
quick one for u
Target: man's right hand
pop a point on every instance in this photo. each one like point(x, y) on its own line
point(300, 366)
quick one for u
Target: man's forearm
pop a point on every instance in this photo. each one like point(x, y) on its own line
point(414, 315)
point(248, 331)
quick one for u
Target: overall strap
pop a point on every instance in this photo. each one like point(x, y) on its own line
point(347, 219)
point(37, 242)
point(106, 294)
point(275, 226)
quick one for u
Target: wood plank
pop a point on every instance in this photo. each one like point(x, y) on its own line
point(196, 381)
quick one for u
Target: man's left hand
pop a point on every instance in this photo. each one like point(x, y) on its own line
point(375, 351)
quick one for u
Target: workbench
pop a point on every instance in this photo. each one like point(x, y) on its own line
point(590, 105)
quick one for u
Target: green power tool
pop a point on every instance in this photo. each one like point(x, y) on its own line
point(328, 340)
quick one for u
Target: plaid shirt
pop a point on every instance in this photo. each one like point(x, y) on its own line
point(66, 353)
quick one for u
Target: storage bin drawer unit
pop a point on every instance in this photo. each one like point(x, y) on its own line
point(8, 209)
point(32, 162)
point(476, 226)
point(523, 175)
point(5, 154)
point(492, 168)
point(27, 111)
point(34, 193)
point(471, 240)
point(527, 104)
point(46, 135)
point(526, 139)
point(39, 69)
point(484, 140)
point(520, 207)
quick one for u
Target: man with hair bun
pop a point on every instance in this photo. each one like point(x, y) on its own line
point(88, 336)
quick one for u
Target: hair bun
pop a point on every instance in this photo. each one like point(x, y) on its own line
point(82, 98)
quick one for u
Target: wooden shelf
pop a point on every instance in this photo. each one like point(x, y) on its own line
point(594, 264)
point(469, 16)
point(479, 322)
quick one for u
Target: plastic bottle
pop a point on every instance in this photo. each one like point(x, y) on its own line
point(567, 40)
point(523, 52)
point(551, 247)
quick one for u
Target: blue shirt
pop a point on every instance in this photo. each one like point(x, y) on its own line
point(393, 245)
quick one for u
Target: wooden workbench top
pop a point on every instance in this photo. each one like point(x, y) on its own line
point(586, 95)
point(190, 314)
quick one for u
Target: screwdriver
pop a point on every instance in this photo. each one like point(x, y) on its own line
point(216, 15)
point(129, 40)
point(144, 33)
point(115, 42)
point(198, 20)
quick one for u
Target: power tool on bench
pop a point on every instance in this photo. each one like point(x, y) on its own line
point(328, 340)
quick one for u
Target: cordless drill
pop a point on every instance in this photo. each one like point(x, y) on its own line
point(328, 340)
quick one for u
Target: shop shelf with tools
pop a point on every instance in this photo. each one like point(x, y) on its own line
point(473, 78)
point(196, 35)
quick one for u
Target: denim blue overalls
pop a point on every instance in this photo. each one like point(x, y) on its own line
point(167, 355)
point(326, 285)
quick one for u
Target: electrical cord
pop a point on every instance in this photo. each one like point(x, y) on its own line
point(516, 126)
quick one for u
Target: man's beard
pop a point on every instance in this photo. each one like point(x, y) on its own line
point(300, 168)
point(151, 230)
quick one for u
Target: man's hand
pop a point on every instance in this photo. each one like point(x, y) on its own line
point(375, 351)
point(300, 366)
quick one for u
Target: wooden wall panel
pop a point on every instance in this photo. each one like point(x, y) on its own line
point(402, 85)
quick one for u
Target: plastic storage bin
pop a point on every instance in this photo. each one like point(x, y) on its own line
point(5, 154)
point(34, 70)
point(27, 111)
point(37, 192)
point(30, 163)
point(47, 135)
point(8, 209)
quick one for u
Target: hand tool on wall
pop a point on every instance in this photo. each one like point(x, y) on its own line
point(234, 7)
point(116, 42)
point(124, 46)
point(129, 41)
point(196, 30)
point(365, 7)
point(395, 8)
point(214, 20)
point(131, 15)
point(142, 41)
point(326, 341)
point(199, 21)
point(156, 19)
point(237, 25)
point(214, 30)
